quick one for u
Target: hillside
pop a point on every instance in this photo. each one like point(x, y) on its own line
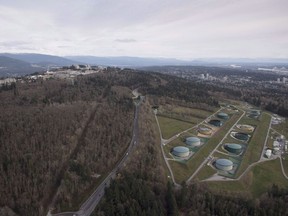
point(40, 59)
point(60, 139)
point(10, 67)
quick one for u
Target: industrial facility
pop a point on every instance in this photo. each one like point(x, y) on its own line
point(233, 148)
point(222, 115)
point(193, 141)
point(224, 164)
point(268, 153)
point(216, 122)
point(180, 151)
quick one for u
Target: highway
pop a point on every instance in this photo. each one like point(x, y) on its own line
point(90, 204)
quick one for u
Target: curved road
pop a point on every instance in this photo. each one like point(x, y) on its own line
point(89, 205)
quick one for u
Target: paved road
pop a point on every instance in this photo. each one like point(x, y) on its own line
point(89, 205)
point(163, 154)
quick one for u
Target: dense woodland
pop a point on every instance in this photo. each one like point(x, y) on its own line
point(59, 137)
point(142, 188)
point(257, 91)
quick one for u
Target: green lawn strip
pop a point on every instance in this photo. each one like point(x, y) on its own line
point(249, 121)
point(285, 162)
point(170, 127)
point(205, 172)
point(191, 165)
point(185, 111)
point(255, 146)
point(196, 112)
point(193, 116)
point(180, 171)
point(188, 119)
point(270, 141)
point(265, 175)
point(226, 186)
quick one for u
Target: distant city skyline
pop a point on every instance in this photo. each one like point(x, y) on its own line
point(182, 29)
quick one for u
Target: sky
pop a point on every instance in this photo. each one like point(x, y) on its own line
point(182, 29)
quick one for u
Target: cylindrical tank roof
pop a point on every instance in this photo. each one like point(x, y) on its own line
point(181, 149)
point(205, 130)
point(241, 136)
point(222, 115)
point(193, 141)
point(233, 148)
point(216, 122)
point(224, 162)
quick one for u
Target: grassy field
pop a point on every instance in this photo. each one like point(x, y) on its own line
point(185, 111)
point(171, 127)
point(285, 162)
point(183, 171)
point(180, 171)
point(205, 172)
point(249, 121)
point(256, 182)
point(269, 140)
point(264, 175)
point(255, 146)
point(231, 186)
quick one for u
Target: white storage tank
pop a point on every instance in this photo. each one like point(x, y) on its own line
point(224, 164)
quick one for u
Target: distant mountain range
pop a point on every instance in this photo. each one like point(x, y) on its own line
point(26, 63)
point(40, 59)
point(126, 61)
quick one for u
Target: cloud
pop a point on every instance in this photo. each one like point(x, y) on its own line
point(126, 40)
point(12, 43)
point(170, 28)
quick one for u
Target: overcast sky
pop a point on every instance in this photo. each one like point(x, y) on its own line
point(184, 29)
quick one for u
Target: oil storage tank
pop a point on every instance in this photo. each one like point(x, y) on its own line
point(224, 164)
point(180, 151)
point(222, 115)
point(241, 136)
point(193, 141)
point(205, 130)
point(233, 148)
point(216, 123)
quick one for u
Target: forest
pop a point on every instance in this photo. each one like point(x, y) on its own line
point(59, 138)
point(259, 90)
point(143, 188)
